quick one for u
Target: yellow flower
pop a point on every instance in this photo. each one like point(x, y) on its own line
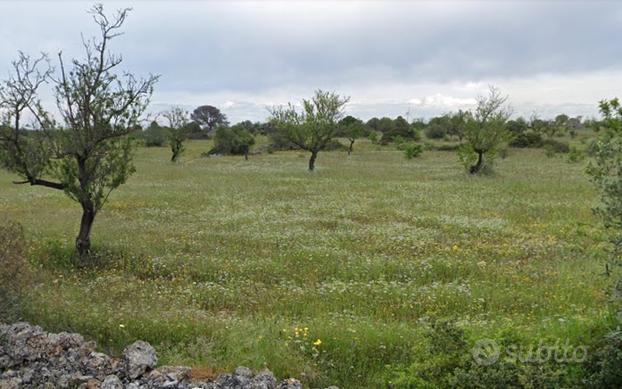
point(455, 247)
point(317, 342)
point(121, 325)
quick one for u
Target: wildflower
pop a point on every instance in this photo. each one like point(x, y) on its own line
point(317, 342)
point(455, 247)
point(121, 325)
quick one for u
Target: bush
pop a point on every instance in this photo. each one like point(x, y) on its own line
point(528, 139)
point(374, 137)
point(234, 140)
point(435, 131)
point(154, 136)
point(556, 146)
point(602, 368)
point(444, 359)
point(412, 150)
point(575, 155)
point(14, 272)
point(447, 147)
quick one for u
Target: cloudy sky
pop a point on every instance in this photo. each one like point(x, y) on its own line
point(393, 58)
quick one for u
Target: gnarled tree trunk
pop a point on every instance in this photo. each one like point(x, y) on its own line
point(83, 241)
point(351, 146)
point(312, 160)
point(479, 164)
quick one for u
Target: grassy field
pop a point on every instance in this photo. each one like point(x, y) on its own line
point(329, 276)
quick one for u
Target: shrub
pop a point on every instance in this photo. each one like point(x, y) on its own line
point(374, 137)
point(528, 139)
point(154, 136)
point(444, 359)
point(448, 147)
point(14, 272)
point(412, 150)
point(575, 155)
point(234, 140)
point(435, 131)
point(556, 146)
point(602, 368)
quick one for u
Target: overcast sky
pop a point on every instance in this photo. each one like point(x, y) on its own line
point(392, 58)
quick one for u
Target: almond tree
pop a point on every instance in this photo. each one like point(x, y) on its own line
point(485, 132)
point(87, 154)
point(177, 130)
point(314, 127)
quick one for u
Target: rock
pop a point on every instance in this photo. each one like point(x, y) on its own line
point(290, 383)
point(139, 358)
point(111, 382)
point(169, 376)
point(264, 380)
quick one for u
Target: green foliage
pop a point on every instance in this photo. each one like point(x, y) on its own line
point(605, 170)
point(412, 150)
point(154, 135)
point(602, 368)
point(397, 129)
point(208, 118)
point(553, 146)
point(352, 129)
point(313, 128)
point(575, 155)
point(235, 140)
point(444, 360)
point(518, 126)
point(435, 130)
point(527, 139)
point(15, 273)
point(485, 133)
point(177, 131)
point(374, 137)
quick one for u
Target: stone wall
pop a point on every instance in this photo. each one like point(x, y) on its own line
point(33, 358)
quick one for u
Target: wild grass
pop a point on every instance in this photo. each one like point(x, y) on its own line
point(222, 262)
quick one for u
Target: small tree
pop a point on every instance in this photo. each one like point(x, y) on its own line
point(177, 131)
point(485, 132)
point(314, 127)
point(208, 117)
point(351, 128)
point(90, 154)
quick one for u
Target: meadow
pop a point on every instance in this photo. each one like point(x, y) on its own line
point(328, 276)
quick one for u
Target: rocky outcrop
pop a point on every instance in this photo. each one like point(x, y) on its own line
point(33, 358)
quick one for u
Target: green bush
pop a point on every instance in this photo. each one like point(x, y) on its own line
point(412, 150)
point(555, 146)
point(575, 155)
point(374, 137)
point(435, 131)
point(234, 140)
point(603, 366)
point(154, 136)
point(14, 272)
point(528, 139)
point(444, 359)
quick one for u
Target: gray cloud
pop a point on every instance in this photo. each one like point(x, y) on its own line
point(384, 54)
